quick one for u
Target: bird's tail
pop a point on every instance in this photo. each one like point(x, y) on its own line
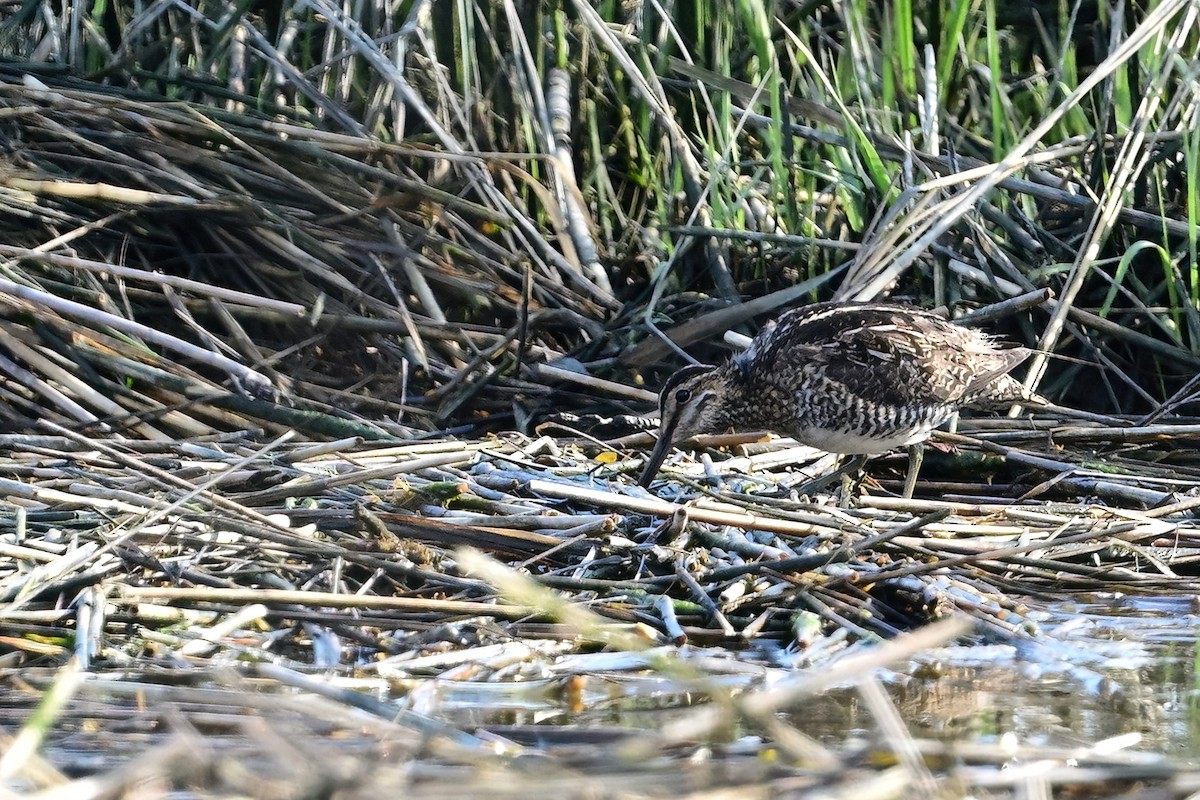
point(1004, 391)
point(995, 387)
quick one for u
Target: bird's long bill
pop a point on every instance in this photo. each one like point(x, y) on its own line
point(666, 435)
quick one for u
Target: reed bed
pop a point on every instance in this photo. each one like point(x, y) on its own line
point(433, 248)
point(326, 333)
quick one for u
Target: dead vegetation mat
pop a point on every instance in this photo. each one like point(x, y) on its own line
point(277, 613)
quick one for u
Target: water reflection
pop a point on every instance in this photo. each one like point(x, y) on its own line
point(1101, 666)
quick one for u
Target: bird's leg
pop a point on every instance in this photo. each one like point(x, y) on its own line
point(916, 454)
point(845, 468)
point(854, 475)
point(851, 473)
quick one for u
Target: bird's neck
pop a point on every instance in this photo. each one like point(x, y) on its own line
point(737, 409)
point(749, 404)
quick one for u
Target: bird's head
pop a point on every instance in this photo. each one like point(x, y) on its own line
point(691, 402)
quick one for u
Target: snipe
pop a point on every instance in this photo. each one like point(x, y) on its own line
point(848, 378)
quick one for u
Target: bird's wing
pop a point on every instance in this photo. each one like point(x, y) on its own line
point(903, 366)
point(887, 370)
point(882, 353)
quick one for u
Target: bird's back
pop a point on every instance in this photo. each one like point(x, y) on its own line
point(873, 372)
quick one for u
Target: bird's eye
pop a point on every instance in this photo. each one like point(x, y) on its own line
point(683, 395)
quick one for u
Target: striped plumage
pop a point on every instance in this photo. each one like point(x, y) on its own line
point(848, 378)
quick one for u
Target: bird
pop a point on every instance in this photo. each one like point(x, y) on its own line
point(854, 379)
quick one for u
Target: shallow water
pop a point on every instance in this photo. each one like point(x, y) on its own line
point(1146, 653)
point(1103, 666)
point(1100, 667)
